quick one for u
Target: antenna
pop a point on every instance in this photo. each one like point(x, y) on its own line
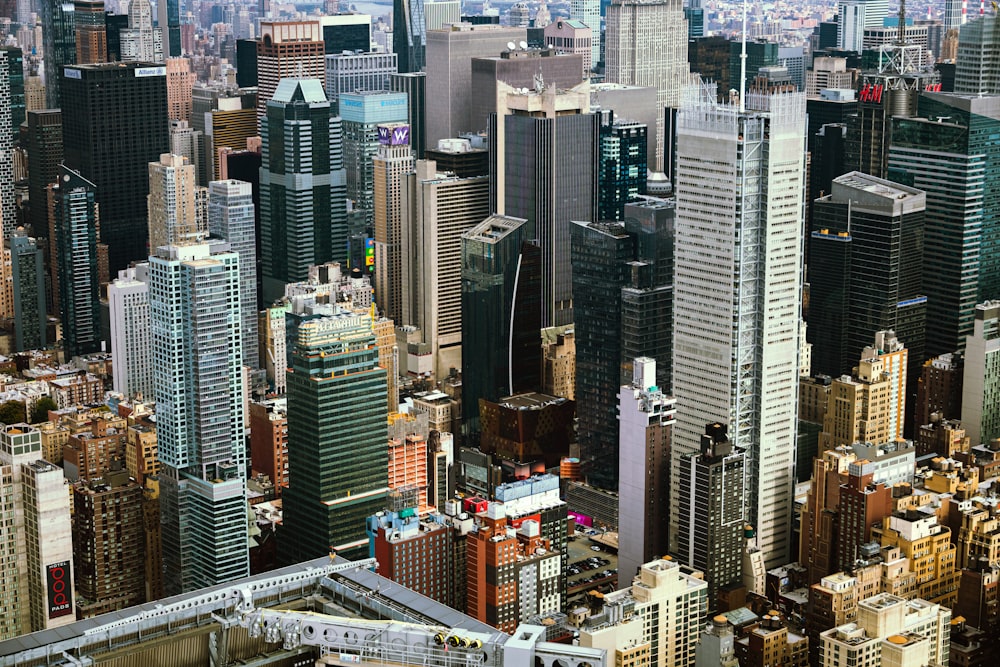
point(901, 29)
point(743, 60)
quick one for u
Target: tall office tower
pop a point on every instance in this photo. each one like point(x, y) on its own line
point(709, 57)
point(954, 14)
point(519, 15)
point(303, 217)
point(141, 42)
point(337, 467)
point(601, 253)
point(353, 72)
point(828, 72)
point(225, 117)
point(530, 177)
point(108, 544)
point(737, 297)
point(12, 90)
point(588, 12)
point(286, 50)
point(390, 165)
point(45, 152)
point(180, 82)
point(346, 32)
point(710, 528)
point(412, 19)
point(37, 573)
point(863, 504)
point(186, 142)
point(977, 65)
point(59, 45)
point(855, 16)
point(168, 18)
point(91, 33)
point(859, 409)
point(177, 207)
point(115, 25)
point(449, 74)
point(981, 381)
point(118, 126)
point(10, 65)
point(437, 209)
point(820, 521)
point(501, 318)
point(962, 228)
point(131, 354)
point(198, 389)
point(572, 37)
point(645, 422)
point(231, 218)
point(862, 276)
point(75, 223)
point(28, 275)
point(646, 45)
point(760, 53)
point(621, 166)
point(361, 114)
point(414, 84)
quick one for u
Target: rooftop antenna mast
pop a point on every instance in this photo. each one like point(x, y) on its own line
point(743, 60)
point(901, 28)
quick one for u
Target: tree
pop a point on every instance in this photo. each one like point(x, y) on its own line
point(12, 412)
point(40, 413)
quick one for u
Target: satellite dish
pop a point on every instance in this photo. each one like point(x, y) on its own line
point(524, 45)
point(511, 46)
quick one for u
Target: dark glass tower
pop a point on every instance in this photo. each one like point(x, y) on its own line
point(168, 16)
point(884, 224)
point(75, 212)
point(414, 84)
point(59, 45)
point(13, 71)
point(621, 166)
point(337, 431)
point(45, 153)
point(28, 273)
point(117, 127)
point(501, 315)
point(303, 195)
point(409, 33)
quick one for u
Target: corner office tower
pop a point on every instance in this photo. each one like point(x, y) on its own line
point(738, 283)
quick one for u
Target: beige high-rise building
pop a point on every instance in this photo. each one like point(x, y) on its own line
point(180, 83)
point(287, 50)
point(928, 546)
point(646, 44)
point(437, 208)
point(391, 164)
point(828, 72)
point(177, 207)
point(36, 545)
point(559, 362)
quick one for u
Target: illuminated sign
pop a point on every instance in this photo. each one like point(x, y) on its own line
point(370, 254)
point(871, 93)
point(394, 103)
point(933, 87)
point(397, 135)
point(72, 73)
point(150, 71)
point(60, 598)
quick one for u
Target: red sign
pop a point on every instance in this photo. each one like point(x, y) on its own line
point(933, 87)
point(871, 93)
point(516, 523)
point(60, 596)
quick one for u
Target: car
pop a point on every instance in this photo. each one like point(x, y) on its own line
point(595, 548)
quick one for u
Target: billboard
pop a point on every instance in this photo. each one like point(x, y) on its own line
point(394, 135)
point(370, 253)
point(581, 519)
point(60, 596)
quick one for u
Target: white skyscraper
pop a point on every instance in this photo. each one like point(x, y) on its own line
point(855, 16)
point(737, 290)
point(141, 42)
point(646, 44)
point(589, 11)
point(36, 557)
point(231, 217)
point(131, 347)
point(194, 296)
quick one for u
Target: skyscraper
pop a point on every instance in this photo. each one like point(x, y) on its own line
point(350, 72)
point(28, 275)
point(391, 164)
point(645, 421)
point(198, 389)
point(411, 21)
point(231, 218)
point(303, 202)
point(876, 229)
point(141, 42)
point(537, 176)
point(177, 207)
point(710, 528)
point(414, 84)
point(168, 18)
point(948, 153)
point(977, 65)
point(91, 32)
point(59, 45)
point(37, 559)
point(131, 354)
point(501, 318)
point(737, 292)
point(981, 381)
point(11, 68)
point(286, 50)
point(75, 224)
point(362, 113)
point(589, 13)
point(45, 152)
point(118, 126)
point(622, 165)
point(646, 45)
point(338, 464)
point(855, 16)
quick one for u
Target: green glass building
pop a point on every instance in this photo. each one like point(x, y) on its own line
point(337, 434)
